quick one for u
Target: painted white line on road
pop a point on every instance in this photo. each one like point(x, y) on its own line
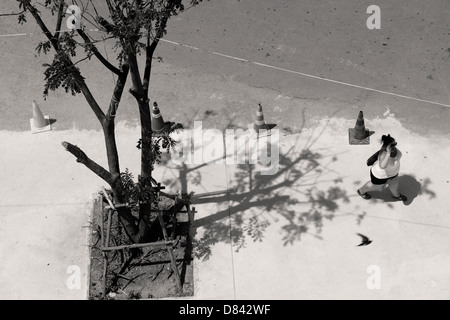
point(226, 56)
point(173, 42)
point(29, 34)
point(351, 85)
point(191, 47)
point(15, 34)
point(179, 44)
point(325, 79)
point(285, 70)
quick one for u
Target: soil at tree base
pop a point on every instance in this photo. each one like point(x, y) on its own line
point(149, 275)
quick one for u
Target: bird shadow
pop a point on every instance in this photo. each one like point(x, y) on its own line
point(297, 199)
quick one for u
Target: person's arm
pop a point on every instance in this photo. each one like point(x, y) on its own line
point(383, 157)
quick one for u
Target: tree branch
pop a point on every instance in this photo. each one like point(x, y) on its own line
point(150, 50)
point(99, 56)
point(115, 12)
point(117, 94)
point(59, 19)
point(104, 23)
point(84, 88)
point(137, 88)
point(42, 25)
point(134, 94)
point(110, 7)
point(12, 14)
point(91, 165)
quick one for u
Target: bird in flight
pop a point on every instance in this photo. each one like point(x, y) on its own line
point(365, 241)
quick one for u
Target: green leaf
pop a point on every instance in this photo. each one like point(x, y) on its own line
point(43, 46)
point(62, 73)
point(22, 18)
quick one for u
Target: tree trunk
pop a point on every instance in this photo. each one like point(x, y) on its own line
point(111, 149)
point(146, 168)
point(146, 136)
point(141, 96)
point(125, 216)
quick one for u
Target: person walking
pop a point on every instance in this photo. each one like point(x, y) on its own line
point(385, 170)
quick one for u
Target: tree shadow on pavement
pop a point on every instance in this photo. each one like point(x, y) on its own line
point(408, 186)
point(298, 199)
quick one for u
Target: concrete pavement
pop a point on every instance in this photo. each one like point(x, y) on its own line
point(301, 243)
point(287, 236)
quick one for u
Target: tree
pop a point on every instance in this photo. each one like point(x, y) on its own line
point(137, 26)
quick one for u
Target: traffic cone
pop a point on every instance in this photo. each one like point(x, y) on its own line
point(260, 124)
point(39, 123)
point(359, 134)
point(157, 119)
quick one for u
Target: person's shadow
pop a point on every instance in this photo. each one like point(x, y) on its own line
point(408, 186)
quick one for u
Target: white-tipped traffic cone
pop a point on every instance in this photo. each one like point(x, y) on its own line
point(260, 124)
point(259, 127)
point(359, 134)
point(39, 123)
point(157, 119)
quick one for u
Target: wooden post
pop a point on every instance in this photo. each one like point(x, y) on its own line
point(102, 240)
point(174, 219)
point(105, 256)
point(102, 218)
point(189, 247)
point(105, 242)
point(191, 214)
point(191, 231)
point(167, 243)
point(158, 244)
point(170, 251)
point(108, 228)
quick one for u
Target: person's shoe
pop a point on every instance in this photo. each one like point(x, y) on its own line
point(365, 195)
point(401, 197)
